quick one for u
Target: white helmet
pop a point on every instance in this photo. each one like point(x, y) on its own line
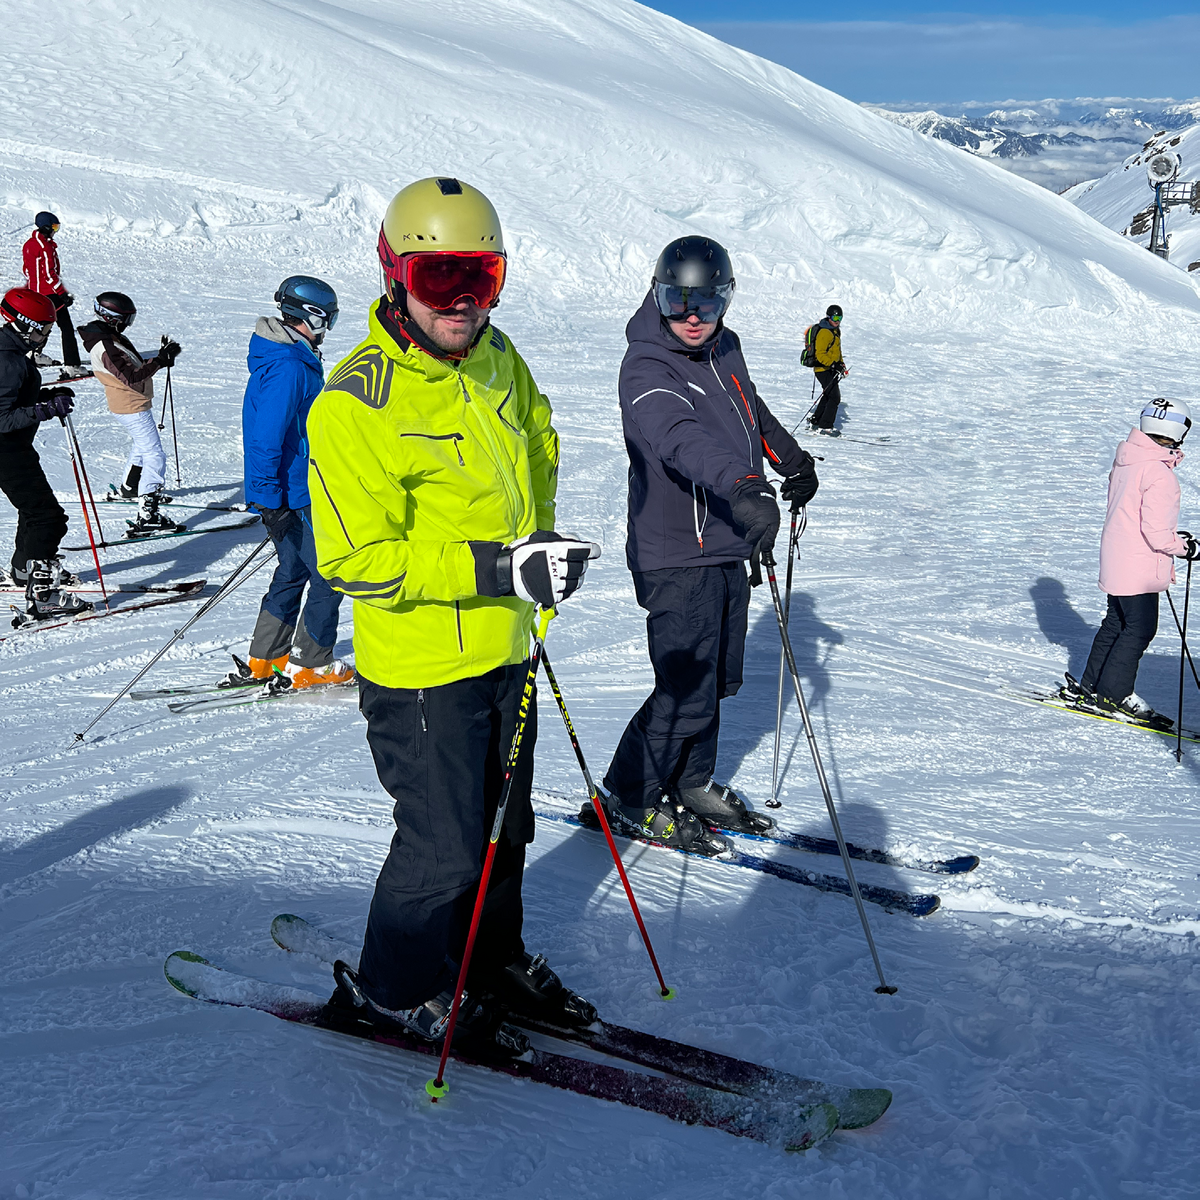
point(1170, 419)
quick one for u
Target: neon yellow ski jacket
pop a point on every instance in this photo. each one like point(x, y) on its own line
point(411, 459)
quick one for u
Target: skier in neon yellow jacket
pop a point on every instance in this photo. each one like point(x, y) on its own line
point(433, 467)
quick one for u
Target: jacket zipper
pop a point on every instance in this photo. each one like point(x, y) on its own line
point(421, 709)
point(458, 620)
point(741, 420)
point(700, 526)
point(497, 455)
point(441, 437)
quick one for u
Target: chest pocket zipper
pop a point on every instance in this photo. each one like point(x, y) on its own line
point(442, 437)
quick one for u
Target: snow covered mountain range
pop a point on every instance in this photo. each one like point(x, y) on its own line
point(1054, 142)
point(1043, 1044)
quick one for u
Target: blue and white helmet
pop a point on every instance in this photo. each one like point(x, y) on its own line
point(305, 298)
point(1170, 419)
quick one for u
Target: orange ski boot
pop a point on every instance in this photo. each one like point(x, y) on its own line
point(305, 677)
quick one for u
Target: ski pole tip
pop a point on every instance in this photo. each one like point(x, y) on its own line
point(886, 990)
point(667, 994)
point(436, 1089)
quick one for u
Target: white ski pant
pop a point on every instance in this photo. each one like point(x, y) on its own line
point(147, 451)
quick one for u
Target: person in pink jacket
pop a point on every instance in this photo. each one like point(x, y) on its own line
point(1136, 551)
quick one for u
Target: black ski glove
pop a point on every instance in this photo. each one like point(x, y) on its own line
point(169, 353)
point(799, 488)
point(277, 520)
point(756, 515)
point(54, 402)
point(68, 301)
point(1191, 547)
point(543, 568)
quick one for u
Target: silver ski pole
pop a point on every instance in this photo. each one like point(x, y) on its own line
point(239, 576)
point(768, 561)
point(800, 514)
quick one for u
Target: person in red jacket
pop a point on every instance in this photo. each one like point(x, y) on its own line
point(44, 276)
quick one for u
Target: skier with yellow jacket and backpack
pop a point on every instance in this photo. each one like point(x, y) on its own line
point(823, 353)
point(433, 466)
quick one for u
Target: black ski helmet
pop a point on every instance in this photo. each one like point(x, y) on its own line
point(694, 262)
point(115, 309)
point(834, 310)
point(46, 220)
point(308, 299)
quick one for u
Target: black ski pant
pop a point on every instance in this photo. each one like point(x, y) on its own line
point(1128, 628)
point(70, 347)
point(696, 632)
point(41, 522)
point(440, 754)
point(826, 411)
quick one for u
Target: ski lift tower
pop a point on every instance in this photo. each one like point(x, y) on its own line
point(1162, 171)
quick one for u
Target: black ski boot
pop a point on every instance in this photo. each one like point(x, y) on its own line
point(529, 987)
point(44, 599)
point(149, 520)
point(480, 1030)
point(666, 823)
point(1134, 709)
point(723, 807)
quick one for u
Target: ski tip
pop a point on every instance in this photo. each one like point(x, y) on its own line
point(279, 927)
point(435, 1090)
point(961, 865)
point(170, 968)
point(819, 1122)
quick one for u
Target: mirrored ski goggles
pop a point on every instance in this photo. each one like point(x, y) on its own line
point(442, 280)
point(318, 319)
point(708, 303)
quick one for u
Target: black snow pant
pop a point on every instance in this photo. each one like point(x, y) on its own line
point(1128, 628)
point(440, 753)
point(70, 347)
point(696, 630)
point(41, 522)
point(826, 411)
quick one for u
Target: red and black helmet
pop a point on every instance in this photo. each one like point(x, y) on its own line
point(31, 314)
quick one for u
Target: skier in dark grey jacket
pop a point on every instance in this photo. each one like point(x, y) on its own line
point(698, 435)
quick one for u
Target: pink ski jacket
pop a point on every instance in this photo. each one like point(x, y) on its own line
point(1143, 509)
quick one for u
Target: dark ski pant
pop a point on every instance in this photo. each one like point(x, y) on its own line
point(1128, 628)
point(281, 627)
point(696, 633)
point(41, 522)
point(440, 754)
point(826, 411)
point(70, 347)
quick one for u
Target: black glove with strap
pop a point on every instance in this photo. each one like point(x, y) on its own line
point(54, 402)
point(1191, 547)
point(169, 353)
point(756, 515)
point(543, 568)
point(801, 486)
point(277, 520)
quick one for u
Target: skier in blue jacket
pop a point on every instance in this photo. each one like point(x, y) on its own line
point(698, 434)
point(291, 648)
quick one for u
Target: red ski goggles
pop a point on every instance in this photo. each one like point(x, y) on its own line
point(441, 279)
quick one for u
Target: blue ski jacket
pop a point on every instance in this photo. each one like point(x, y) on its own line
point(694, 425)
point(285, 378)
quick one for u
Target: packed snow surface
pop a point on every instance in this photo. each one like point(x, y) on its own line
point(1043, 1040)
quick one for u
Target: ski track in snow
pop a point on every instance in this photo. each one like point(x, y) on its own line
point(1043, 1040)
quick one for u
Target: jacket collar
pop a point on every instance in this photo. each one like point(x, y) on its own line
point(397, 343)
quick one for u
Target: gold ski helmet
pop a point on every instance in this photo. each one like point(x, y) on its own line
point(433, 216)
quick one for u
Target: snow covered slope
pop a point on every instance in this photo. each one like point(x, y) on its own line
point(1043, 1041)
point(1122, 199)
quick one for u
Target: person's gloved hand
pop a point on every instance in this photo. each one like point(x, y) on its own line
point(799, 488)
point(756, 515)
point(68, 300)
point(842, 370)
point(1191, 547)
point(277, 520)
point(543, 568)
point(54, 402)
point(169, 353)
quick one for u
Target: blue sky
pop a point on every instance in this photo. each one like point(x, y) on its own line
point(1007, 49)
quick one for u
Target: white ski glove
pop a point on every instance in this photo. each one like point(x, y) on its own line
point(545, 568)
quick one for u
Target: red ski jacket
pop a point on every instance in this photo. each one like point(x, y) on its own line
point(42, 269)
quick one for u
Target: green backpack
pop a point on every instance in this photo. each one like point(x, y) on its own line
point(808, 356)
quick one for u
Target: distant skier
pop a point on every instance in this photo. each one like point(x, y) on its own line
point(294, 648)
point(828, 369)
point(434, 469)
point(129, 388)
point(1136, 548)
point(44, 276)
point(697, 432)
point(26, 319)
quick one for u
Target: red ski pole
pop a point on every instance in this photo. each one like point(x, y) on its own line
point(83, 504)
point(667, 993)
point(436, 1088)
point(86, 482)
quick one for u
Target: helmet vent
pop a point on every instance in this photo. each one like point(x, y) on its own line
point(450, 187)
